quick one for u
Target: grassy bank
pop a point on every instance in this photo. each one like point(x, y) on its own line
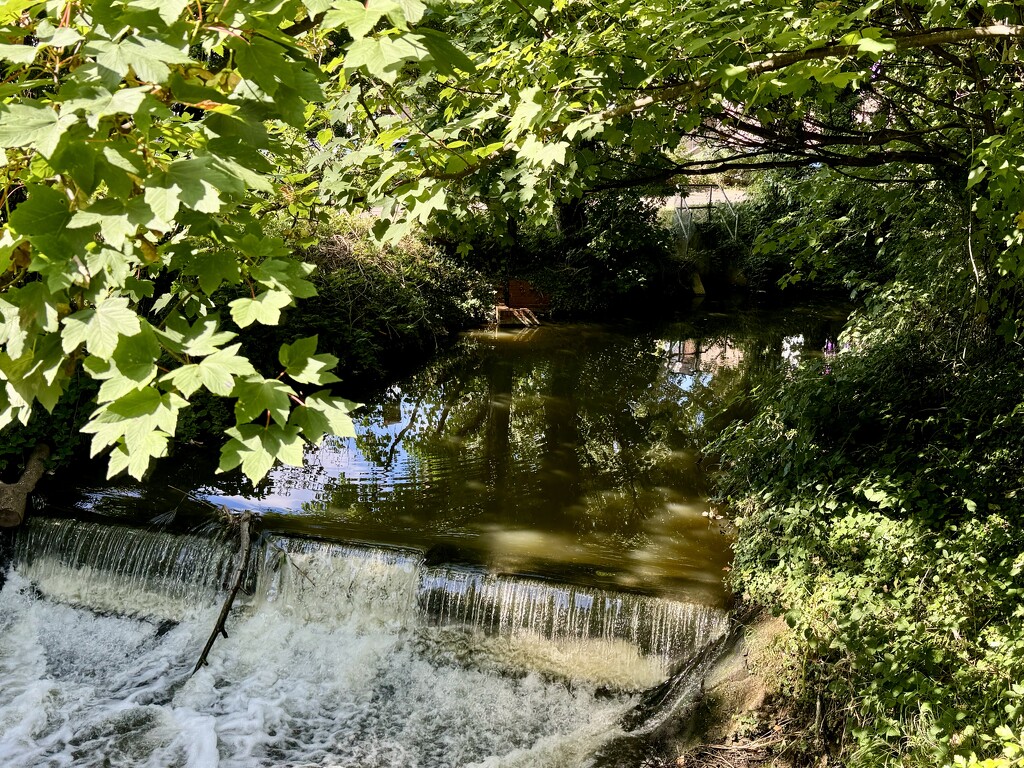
point(878, 502)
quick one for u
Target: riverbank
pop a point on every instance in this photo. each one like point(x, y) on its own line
point(743, 718)
point(876, 499)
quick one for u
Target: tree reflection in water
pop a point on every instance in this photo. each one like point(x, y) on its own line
point(568, 451)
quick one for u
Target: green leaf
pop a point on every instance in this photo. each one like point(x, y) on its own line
point(302, 364)
point(256, 449)
point(102, 103)
point(357, 18)
point(976, 175)
point(217, 372)
point(36, 307)
point(115, 224)
point(213, 268)
point(139, 424)
point(257, 395)
point(273, 69)
point(39, 374)
point(169, 10)
point(323, 414)
point(527, 112)
point(203, 338)
point(136, 356)
point(875, 45)
point(149, 59)
point(446, 57)
point(56, 37)
point(382, 57)
point(286, 275)
point(101, 328)
point(543, 154)
point(18, 54)
point(195, 183)
point(412, 11)
point(265, 308)
point(44, 212)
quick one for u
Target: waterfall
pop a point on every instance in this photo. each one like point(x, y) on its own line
point(338, 655)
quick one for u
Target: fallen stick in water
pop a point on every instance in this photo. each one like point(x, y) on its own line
point(244, 521)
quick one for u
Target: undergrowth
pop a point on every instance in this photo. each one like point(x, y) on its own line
point(376, 305)
point(878, 497)
point(608, 252)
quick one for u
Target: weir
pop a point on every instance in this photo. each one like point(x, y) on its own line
point(337, 653)
point(538, 581)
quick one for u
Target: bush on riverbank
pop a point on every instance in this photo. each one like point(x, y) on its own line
point(606, 253)
point(809, 230)
point(378, 309)
point(378, 306)
point(878, 497)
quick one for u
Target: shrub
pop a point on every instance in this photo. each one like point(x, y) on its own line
point(608, 251)
point(877, 502)
point(376, 305)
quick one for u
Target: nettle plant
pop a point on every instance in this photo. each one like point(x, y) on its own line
point(143, 144)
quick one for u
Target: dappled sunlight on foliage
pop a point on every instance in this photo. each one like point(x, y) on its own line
point(878, 506)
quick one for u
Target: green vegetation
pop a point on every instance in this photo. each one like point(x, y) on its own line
point(608, 252)
point(377, 307)
point(149, 146)
point(154, 152)
point(877, 506)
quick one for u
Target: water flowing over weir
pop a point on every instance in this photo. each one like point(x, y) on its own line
point(538, 580)
point(340, 656)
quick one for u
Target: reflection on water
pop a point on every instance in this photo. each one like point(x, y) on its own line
point(566, 452)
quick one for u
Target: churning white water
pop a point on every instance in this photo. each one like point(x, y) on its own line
point(338, 656)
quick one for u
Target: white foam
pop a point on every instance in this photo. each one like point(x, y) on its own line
point(337, 659)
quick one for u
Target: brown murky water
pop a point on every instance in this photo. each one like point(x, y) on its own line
point(565, 452)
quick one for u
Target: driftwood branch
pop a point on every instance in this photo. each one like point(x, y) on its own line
point(14, 496)
point(288, 557)
point(244, 523)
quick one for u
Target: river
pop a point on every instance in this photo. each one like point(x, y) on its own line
point(513, 548)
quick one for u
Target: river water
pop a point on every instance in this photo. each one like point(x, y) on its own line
point(515, 546)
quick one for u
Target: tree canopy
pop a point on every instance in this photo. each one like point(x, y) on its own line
point(149, 144)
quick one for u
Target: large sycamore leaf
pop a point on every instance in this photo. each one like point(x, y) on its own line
point(217, 373)
point(302, 364)
point(265, 308)
point(31, 124)
point(322, 414)
point(150, 60)
point(256, 449)
point(257, 395)
point(100, 329)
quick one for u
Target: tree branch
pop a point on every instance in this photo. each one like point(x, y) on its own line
point(773, 62)
point(244, 521)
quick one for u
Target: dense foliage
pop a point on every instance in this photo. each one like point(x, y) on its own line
point(877, 498)
point(149, 144)
point(604, 254)
point(152, 149)
point(377, 306)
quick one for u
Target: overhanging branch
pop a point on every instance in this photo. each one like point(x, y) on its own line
point(773, 62)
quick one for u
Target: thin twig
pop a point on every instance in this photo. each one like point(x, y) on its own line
point(244, 521)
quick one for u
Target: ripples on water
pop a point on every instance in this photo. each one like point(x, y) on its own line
point(535, 546)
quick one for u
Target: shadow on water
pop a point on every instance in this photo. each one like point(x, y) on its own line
point(568, 452)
